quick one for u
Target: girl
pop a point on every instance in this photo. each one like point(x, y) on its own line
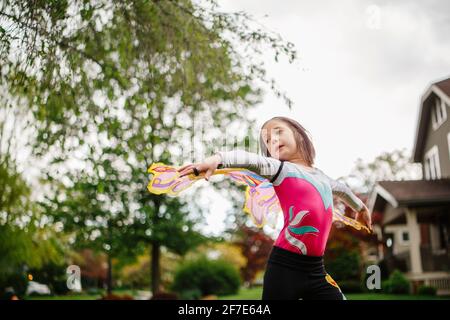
point(295, 268)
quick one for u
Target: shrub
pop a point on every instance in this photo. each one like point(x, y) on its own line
point(95, 291)
point(17, 281)
point(190, 294)
point(346, 265)
point(350, 286)
point(427, 290)
point(396, 284)
point(208, 277)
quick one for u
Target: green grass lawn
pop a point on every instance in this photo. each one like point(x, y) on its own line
point(65, 297)
point(252, 294)
point(255, 294)
point(81, 296)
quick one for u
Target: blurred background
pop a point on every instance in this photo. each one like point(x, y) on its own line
point(93, 92)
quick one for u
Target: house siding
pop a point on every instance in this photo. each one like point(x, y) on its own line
point(438, 138)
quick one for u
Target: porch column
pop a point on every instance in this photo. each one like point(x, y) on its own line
point(414, 241)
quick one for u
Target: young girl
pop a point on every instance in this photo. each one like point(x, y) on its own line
point(295, 268)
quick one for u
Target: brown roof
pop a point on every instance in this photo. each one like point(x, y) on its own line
point(418, 191)
point(444, 85)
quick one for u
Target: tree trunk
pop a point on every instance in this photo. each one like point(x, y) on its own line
point(109, 276)
point(155, 254)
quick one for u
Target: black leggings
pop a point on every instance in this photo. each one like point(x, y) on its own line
point(291, 276)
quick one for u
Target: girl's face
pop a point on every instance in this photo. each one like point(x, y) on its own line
point(279, 140)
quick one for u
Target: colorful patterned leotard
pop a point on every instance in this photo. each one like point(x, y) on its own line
point(305, 195)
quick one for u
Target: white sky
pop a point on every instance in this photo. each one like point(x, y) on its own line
point(362, 70)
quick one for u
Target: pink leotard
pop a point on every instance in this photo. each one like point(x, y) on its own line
point(305, 195)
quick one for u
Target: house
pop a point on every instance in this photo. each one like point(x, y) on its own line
point(415, 215)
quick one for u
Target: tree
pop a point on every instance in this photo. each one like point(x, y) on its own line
point(27, 241)
point(256, 247)
point(95, 215)
point(395, 165)
point(342, 256)
point(137, 93)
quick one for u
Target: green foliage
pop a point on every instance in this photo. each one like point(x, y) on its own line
point(394, 165)
point(17, 280)
point(350, 286)
point(345, 266)
point(21, 249)
point(53, 275)
point(396, 284)
point(207, 276)
point(25, 242)
point(426, 291)
point(190, 294)
point(14, 192)
point(114, 86)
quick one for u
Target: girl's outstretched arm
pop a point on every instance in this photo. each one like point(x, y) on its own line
point(264, 166)
point(343, 192)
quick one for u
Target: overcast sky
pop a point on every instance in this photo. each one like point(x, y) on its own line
point(363, 67)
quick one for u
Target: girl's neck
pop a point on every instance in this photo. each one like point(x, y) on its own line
point(301, 162)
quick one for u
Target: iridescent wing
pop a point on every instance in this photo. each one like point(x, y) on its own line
point(339, 216)
point(261, 202)
point(166, 180)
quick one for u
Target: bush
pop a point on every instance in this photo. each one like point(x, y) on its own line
point(217, 277)
point(350, 286)
point(17, 281)
point(95, 291)
point(54, 276)
point(346, 265)
point(427, 291)
point(396, 284)
point(191, 294)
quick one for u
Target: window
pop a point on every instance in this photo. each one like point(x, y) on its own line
point(438, 113)
point(439, 236)
point(432, 167)
point(448, 140)
point(405, 237)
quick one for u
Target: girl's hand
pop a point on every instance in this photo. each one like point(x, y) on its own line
point(364, 218)
point(209, 165)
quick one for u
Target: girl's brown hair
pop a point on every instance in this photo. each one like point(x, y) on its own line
point(301, 136)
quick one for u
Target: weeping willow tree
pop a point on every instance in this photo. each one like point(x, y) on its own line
point(25, 242)
point(117, 85)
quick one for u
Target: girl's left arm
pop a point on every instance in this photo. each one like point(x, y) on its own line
point(343, 192)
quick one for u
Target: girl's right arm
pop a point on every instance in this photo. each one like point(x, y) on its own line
point(264, 166)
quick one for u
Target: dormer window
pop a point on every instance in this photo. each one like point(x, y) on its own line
point(448, 141)
point(432, 167)
point(438, 113)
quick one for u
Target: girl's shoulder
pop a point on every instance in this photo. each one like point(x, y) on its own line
point(302, 167)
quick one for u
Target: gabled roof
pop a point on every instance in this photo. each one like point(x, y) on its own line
point(410, 193)
point(440, 89)
point(444, 85)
